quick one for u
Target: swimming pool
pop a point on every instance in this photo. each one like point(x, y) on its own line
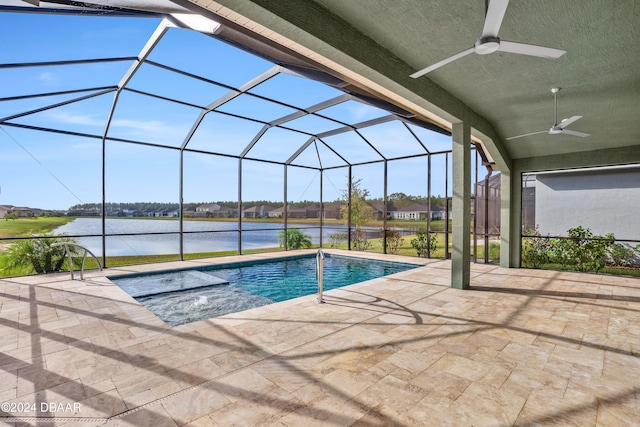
point(186, 296)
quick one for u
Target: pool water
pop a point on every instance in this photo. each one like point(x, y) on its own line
point(187, 296)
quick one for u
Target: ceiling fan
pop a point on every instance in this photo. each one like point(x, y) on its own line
point(557, 128)
point(489, 42)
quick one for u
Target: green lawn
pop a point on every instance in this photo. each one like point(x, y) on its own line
point(22, 227)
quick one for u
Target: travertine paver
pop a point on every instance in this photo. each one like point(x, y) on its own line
point(522, 347)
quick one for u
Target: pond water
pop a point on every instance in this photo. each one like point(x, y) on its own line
point(203, 236)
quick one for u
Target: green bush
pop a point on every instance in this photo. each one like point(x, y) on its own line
point(296, 239)
point(582, 250)
point(336, 239)
point(394, 241)
point(621, 255)
point(360, 240)
point(424, 243)
point(37, 255)
point(536, 249)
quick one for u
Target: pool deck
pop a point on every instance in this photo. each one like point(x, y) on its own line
point(522, 347)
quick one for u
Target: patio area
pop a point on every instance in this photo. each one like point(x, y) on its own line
point(521, 347)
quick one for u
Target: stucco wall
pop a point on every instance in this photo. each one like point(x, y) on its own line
point(605, 201)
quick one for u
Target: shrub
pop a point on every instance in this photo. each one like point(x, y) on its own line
point(335, 239)
point(38, 255)
point(494, 252)
point(359, 240)
point(582, 250)
point(394, 241)
point(621, 255)
point(536, 249)
point(424, 243)
point(296, 239)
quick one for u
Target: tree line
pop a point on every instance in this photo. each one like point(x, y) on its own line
point(398, 200)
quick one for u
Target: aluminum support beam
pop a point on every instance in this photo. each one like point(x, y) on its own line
point(228, 97)
point(160, 31)
point(360, 125)
point(240, 206)
point(349, 188)
point(68, 62)
point(301, 150)
point(429, 203)
point(62, 92)
point(321, 208)
point(285, 212)
point(384, 211)
point(59, 104)
point(416, 137)
point(254, 140)
point(181, 204)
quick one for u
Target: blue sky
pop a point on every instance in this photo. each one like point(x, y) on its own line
point(55, 171)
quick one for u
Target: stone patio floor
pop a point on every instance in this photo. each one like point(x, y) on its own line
point(522, 347)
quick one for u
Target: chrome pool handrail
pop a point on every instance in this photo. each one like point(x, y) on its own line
point(319, 274)
point(84, 257)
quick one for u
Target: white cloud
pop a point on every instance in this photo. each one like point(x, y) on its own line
point(156, 131)
point(91, 145)
point(76, 119)
point(48, 78)
point(146, 126)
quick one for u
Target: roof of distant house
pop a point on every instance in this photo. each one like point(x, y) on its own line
point(416, 207)
point(258, 209)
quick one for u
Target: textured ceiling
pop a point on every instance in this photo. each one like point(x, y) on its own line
point(599, 75)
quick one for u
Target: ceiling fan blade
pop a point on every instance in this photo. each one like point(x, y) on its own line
point(530, 49)
point(441, 63)
point(493, 20)
point(574, 133)
point(528, 134)
point(567, 122)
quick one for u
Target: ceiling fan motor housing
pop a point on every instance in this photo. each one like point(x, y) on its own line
point(555, 130)
point(486, 45)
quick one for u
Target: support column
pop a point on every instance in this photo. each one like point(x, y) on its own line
point(461, 239)
point(510, 219)
point(349, 210)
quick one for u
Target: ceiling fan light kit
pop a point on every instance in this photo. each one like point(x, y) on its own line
point(489, 42)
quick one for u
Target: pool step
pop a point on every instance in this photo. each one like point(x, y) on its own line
point(154, 284)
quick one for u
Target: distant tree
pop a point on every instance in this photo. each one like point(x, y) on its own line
point(360, 209)
point(12, 215)
point(361, 212)
point(397, 199)
point(438, 201)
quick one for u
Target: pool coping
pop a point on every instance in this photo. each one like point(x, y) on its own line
point(99, 277)
point(247, 263)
